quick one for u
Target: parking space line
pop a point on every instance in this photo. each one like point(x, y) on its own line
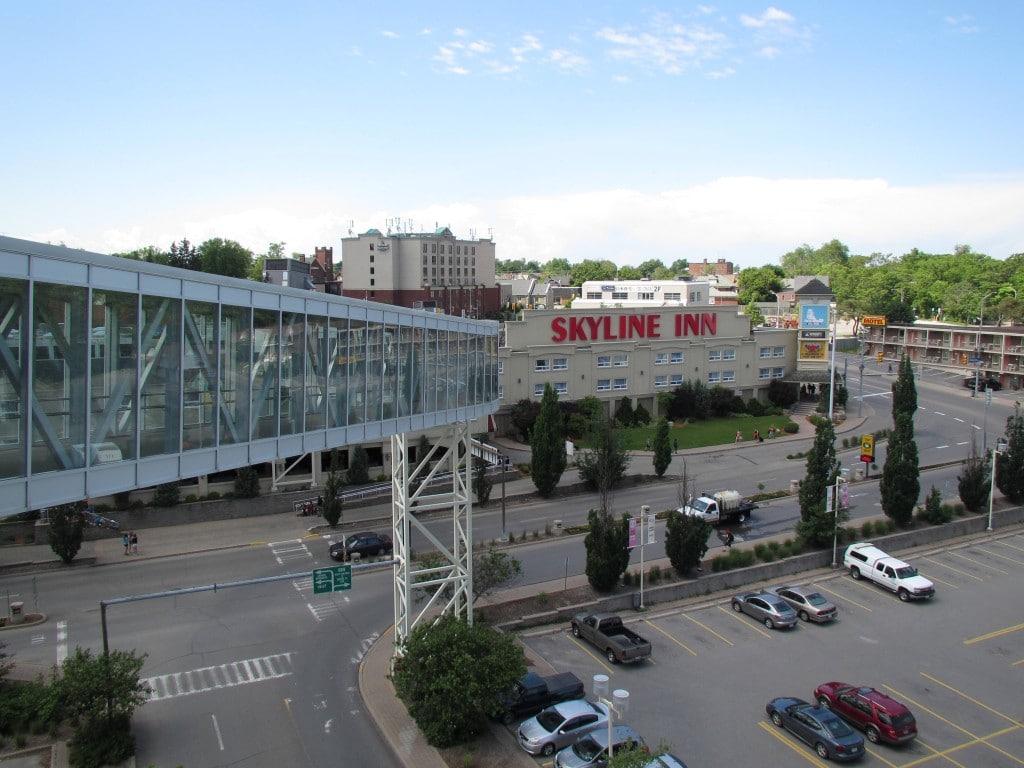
point(796, 746)
point(974, 701)
point(740, 618)
point(955, 570)
point(843, 597)
point(1011, 546)
point(1017, 663)
point(706, 628)
point(587, 650)
point(939, 753)
point(674, 640)
point(946, 583)
point(978, 562)
point(996, 633)
point(1013, 560)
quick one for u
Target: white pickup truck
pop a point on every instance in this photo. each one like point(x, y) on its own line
point(866, 560)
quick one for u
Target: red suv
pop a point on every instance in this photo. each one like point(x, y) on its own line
point(881, 717)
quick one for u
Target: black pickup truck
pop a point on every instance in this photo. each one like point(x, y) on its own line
point(532, 693)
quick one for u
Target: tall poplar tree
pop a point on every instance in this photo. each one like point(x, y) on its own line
point(547, 444)
point(901, 483)
point(607, 553)
point(817, 523)
point(1010, 463)
point(662, 448)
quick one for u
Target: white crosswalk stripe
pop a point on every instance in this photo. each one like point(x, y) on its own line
point(290, 551)
point(228, 675)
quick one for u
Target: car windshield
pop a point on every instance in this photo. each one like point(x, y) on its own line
point(550, 720)
point(699, 505)
point(586, 749)
point(906, 572)
point(837, 727)
point(816, 599)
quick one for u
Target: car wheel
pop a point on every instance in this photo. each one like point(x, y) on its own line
point(507, 718)
point(855, 571)
point(873, 735)
point(803, 616)
point(575, 631)
point(904, 595)
point(741, 518)
point(777, 719)
point(824, 703)
point(379, 552)
point(769, 623)
point(548, 750)
point(610, 655)
point(737, 607)
point(822, 750)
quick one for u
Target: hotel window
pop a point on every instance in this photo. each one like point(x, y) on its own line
point(661, 358)
point(541, 365)
point(538, 390)
point(764, 352)
point(424, 247)
point(621, 361)
point(473, 251)
point(694, 296)
point(371, 258)
point(677, 357)
point(449, 249)
point(603, 385)
point(622, 383)
point(661, 381)
point(778, 373)
point(433, 247)
point(371, 250)
point(501, 367)
point(593, 294)
point(501, 392)
point(778, 351)
point(561, 388)
point(714, 354)
point(604, 361)
point(646, 296)
point(458, 250)
point(673, 297)
point(676, 380)
point(764, 373)
point(619, 295)
point(728, 375)
point(560, 364)
point(728, 354)
point(714, 377)
point(371, 270)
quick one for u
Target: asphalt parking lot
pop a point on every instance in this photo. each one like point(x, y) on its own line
point(957, 661)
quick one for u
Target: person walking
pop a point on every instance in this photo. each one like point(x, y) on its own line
point(729, 538)
point(739, 436)
point(126, 541)
point(135, 543)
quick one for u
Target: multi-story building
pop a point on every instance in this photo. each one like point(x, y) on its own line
point(426, 270)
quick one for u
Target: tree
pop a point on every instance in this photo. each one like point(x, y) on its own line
point(650, 267)
point(334, 501)
point(759, 284)
point(607, 553)
point(66, 525)
point(627, 272)
point(481, 482)
point(523, 417)
point(818, 524)
point(973, 482)
point(1010, 463)
point(782, 394)
point(100, 693)
point(183, 255)
point(547, 444)
point(588, 269)
point(5, 665)
point(247, 483)
point(358, 466)
point(167, 494)
point(447, 672)
point(224, 257)
point(558, 266)
point(624, 415)
point(604, 464)
point(754, 314)
point(662, 448)
point(900, 485)
point(904, 390)
point(493, 569)
point(686, 541)
point(641, 416)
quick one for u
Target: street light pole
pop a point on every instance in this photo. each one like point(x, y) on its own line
point(504, 467)
point(992, 487)
point(618, 704)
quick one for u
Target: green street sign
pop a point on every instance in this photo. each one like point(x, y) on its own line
point(337, 578)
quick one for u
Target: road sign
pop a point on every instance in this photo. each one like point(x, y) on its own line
point(973, 360)
point(336, 578)
point(867, 448)
point(873, 320)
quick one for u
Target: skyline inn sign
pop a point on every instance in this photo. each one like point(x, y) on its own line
point(621, 327)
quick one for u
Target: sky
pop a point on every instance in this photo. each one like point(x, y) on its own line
point(584, 130)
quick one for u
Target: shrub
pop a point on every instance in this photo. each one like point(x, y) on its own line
point(654, 574)
point(791, 428)
point(191, 498)
point(627, 578)
point(867, 529)
point(166, 495)
point(760, 550)
point(213, 496)
point(247, 483)
point(755, 407)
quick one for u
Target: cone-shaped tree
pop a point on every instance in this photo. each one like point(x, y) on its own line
point(547, 444)
point(818, 523)
point(901, 483)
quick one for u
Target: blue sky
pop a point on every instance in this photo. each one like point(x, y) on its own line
point(605, 130)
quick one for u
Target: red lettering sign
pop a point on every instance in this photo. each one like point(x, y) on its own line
point(624, 327)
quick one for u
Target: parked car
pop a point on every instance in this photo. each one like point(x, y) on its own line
point(667, 760)
point(808, 603)
point(984, 382)
point(367, 544)
point(830, 736)
point(560, 725)
point(770, 609)
point(880, 716)
point(592, 749)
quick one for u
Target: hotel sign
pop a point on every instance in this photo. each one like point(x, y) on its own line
point(813, 334)
point(873, 320)
point(624, 327)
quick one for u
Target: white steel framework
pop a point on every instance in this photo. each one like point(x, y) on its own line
point(440, 480)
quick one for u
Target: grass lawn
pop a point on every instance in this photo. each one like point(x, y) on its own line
point(704, 433)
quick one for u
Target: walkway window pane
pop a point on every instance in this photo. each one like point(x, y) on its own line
point(317, 359)
point(160, 378)
point(293, 331)
point(235, 369)
point(265, 372)
point(200, 376)
point(14, 406)
point(356, 372)
point(113, 387)
point(339, 366)
point(390, 373)
point(375, 343)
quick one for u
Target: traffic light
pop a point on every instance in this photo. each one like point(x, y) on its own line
point(867, 448)
point(880, 357)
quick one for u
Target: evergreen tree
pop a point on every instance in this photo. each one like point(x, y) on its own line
point(624, 413)
point(607, 555)
point(1010, 463)
point(358, 466)
point(247, 483)
point(662, 448)
point(547, 444)
point(818, 523)
point(641, 416)
point(333, 499)
point(481, 482)
point(66, 524)
point(904, 391)
point(604, 465)
point(901, 485)
point(686, 541)
point(973, 481)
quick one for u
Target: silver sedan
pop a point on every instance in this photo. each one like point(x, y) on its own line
point(770, 609)
point(808, 603)
point(560, 725)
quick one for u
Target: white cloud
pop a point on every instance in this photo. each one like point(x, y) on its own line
point(389, 34)
point(771, 16)
point(665, 45)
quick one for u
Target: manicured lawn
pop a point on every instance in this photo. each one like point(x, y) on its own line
point(704, 433)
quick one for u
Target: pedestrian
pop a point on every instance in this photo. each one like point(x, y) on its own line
point(890, 367)
point(728, 539)
point(675, 444)
point(739, 436)
point(126, 541)
point(135, 543)
point(648, 444)
point(757, 436)
point(319, 505)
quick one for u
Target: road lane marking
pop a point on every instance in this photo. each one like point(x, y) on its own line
point(706, 628)
point(742, 618)
point(976, 702)
point(996, 633)
point(941, 446)
point(62, 642)
point(230, 675)
point(674, 640)
point(779, 734)
point(964, 442)
point(978, 562)
point(955, 570)
point(588, 649)
point(955, 418)
point(843, 597)
point(939, 413)
point(216, 730)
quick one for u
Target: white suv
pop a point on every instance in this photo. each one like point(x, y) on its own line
point(868, 561)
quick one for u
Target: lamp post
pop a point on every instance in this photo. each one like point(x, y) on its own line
point(644, 511)
point(504, 467)
point(618, 704)
point(992, 487)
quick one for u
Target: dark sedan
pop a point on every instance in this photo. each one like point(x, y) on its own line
point(367, 544)
point(983, 382)
point(830, 736)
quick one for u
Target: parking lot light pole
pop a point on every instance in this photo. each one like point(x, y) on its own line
point(618, 704)
point(504, 467)
point(992, 487)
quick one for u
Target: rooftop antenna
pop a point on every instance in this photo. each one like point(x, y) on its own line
point(472, 233)
point(351, 224)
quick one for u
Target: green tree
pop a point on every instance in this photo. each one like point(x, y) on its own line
point(183, 255)
point(447, 672)
point(588, 269)
point(973, 481)
point(624, 415)
point(493, 569)
point(651, 267)
point(641, 416)
point(247, 483)
point(66, 525)
point(759, 284)
point(481, 482)
point(686, 541)
point(547, 444)
point(523, 417)
point(934, 512)
point(607, 554)
point(818, 524)
point(358, 466)
point(904, 390)
point(754, 314)
point(224, 257)
point(1010, 463)
point(5, 664)
point(167, 494)
point(334, 501)
point(627, 272)
point(900, 486)
point(558, 266)
point(603, 465)
point(662, 448)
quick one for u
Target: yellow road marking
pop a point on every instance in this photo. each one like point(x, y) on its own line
point(996, 633)
point(843, 597)
point(945, 754)
point(705, 627)
point(979, 562)
point(1017, 663)
point(955, 570)
point(674, 640)
point(587, 649)
point(796, 746)
point(742, 618)
point(937, 753)
point(1013, 560)
point(974, 701)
